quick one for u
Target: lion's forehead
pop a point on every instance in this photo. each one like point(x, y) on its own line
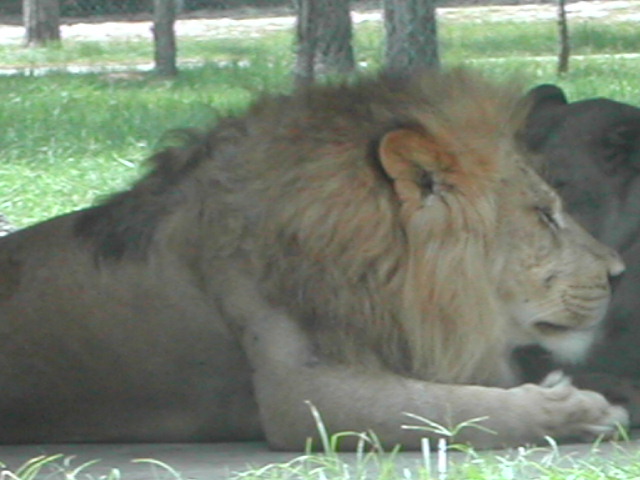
point(525, 183)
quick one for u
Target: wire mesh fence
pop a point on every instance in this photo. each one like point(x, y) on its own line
point(71, 8)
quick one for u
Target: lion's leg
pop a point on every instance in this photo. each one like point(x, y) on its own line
point(287, 374)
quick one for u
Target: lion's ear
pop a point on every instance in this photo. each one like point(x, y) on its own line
point(412, 160)
point(546, 111)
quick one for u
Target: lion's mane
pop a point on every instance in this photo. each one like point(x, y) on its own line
point(297, 187)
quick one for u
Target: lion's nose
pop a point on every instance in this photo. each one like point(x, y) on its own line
point(616, 269)
point(616, 265)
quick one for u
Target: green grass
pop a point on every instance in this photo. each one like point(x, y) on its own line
point(513, 39)
point(127, 52)
point(69, 139)
point(449, 463)
point(522, 464)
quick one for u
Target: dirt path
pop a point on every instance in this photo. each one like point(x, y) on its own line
point(613, 10)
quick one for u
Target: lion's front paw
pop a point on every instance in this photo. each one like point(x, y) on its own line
point(618, 390)
point(560, 410)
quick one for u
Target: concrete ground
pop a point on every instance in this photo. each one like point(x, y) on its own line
point(223, 460)
point(191, 461)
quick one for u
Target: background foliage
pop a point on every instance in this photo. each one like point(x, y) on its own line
point(70, 139)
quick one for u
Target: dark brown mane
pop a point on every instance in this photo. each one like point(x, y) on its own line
point(305, 124)
point(125, 224)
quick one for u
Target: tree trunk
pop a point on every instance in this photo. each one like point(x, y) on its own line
point(334, 49)
point(164, 37)
point(324, 34)
point(303, 70)
point(41, 22)
point(563, 31)
point(411, 35)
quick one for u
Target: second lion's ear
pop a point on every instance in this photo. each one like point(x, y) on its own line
point(413, 161)
point(546, 107)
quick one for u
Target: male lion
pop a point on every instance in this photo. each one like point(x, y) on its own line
point(591, 150)
point(371, 249)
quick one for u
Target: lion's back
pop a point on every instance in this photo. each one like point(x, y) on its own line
point(86, 341)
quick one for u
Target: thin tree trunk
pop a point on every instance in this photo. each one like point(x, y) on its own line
point(304, 71)
point(324, 34)
point(164, 37)
point(411, 35)
point(334, 50)
point(41, 22)
point(563, 31)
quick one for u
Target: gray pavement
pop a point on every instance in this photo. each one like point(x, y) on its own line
point(225, 460)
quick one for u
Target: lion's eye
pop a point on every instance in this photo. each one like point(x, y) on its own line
point(549, 217)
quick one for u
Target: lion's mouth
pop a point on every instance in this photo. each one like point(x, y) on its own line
point(550, 328)
point(568, 345)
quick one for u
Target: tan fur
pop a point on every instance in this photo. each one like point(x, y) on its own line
point(365, 239)
point(375, 249)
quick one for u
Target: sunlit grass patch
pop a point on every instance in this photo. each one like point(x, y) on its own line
point(68, 139)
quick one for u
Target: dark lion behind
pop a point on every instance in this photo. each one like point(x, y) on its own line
point(373, 249)
point(592, 153)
